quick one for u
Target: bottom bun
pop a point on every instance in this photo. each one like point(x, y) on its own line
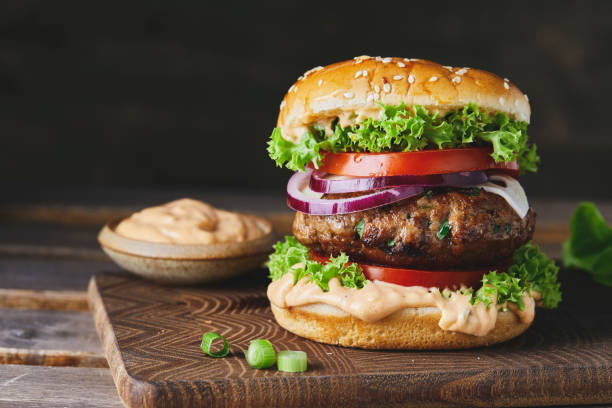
point(407, 329)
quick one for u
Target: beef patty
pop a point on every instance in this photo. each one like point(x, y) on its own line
point(484, 230)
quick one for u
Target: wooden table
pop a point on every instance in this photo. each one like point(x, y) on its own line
point(49, 348)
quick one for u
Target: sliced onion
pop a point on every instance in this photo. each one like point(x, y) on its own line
point(321, 182)
point(512, 192)
point(301, 198)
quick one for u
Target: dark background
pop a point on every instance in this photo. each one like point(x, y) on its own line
point(185, 94)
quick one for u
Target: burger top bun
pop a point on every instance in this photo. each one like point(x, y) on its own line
point(351, 91)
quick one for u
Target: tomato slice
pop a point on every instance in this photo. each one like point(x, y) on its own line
point(417, 277)
point(419, 163)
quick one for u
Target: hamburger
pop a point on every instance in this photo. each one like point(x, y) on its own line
point(412, 230)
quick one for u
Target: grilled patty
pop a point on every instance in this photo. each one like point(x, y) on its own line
point(484, 231)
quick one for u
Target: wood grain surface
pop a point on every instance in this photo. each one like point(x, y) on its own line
point(151, 336)
point(50, 387)
point(49, 337)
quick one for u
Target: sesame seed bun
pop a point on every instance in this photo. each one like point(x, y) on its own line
point(356, 86)
point(407, 329)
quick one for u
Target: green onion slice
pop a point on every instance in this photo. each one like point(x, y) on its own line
point(260, 354)
point(292, 361)
point(444, 229)
point(207, 341)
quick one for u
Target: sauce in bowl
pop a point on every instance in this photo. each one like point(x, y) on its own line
point(191, 222)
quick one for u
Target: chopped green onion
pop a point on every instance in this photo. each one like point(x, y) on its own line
point(508, 228)
point(408, 216)
point(292, 361)
point(260, 354)
point(428, 193)
point(444, 230)
point(359, 227)
point(391, 243)
point(207, 341)
point(496, 228)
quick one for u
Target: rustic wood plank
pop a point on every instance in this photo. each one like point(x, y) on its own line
point(69, 214)
point(52, 338)
point(43, 299)
point(32, 273)
point(36, 386)
point(151, 336)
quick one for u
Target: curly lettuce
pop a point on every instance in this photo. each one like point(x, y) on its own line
point(403, 129)
point(590, 244)
point(292, 257)
point(531, 271)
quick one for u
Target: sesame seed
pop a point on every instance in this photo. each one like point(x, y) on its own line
point(295, 89)
point(320, 82)
point(365, 73)
point(377, 88)
point(447, 67)
point(398, 77)
point(461, 71)
point(387, 88)
point(282, 104)
point(370, 98)
point(310, 71)
point(401, 64)
point(526, 97)
point(456, 79)
point(501, 100)
point(301, 77)
point(411, 78)
point(378, 58)
point(506, 85)
point(357, 74)
point(348, 94)
point(407, 59)
point(433, 79)
point(506, 79)
point(386, 60)
point(291, 89)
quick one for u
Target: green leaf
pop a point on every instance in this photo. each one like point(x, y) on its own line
point(403, 129)
point(532, 270)
point(589, 246)
point(444, 229)
point(292, 257)
point(359, 227)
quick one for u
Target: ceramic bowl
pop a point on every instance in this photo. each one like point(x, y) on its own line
point(186, 264)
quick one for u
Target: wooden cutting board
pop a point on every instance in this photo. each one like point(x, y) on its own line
point(151, 335)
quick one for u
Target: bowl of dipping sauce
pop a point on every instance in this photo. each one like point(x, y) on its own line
point(188, 241)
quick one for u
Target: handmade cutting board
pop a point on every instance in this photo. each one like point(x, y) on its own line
point(151, 335)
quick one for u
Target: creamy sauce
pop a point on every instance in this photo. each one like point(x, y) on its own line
point(378, 300)
point(188, 221)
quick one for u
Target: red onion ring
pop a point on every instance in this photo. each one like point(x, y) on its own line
point(301, 198)
point(321, 183)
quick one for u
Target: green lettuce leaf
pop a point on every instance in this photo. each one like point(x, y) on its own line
point(532, 270)
point(292, 257)
point(401, 129)
point(589, 246)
